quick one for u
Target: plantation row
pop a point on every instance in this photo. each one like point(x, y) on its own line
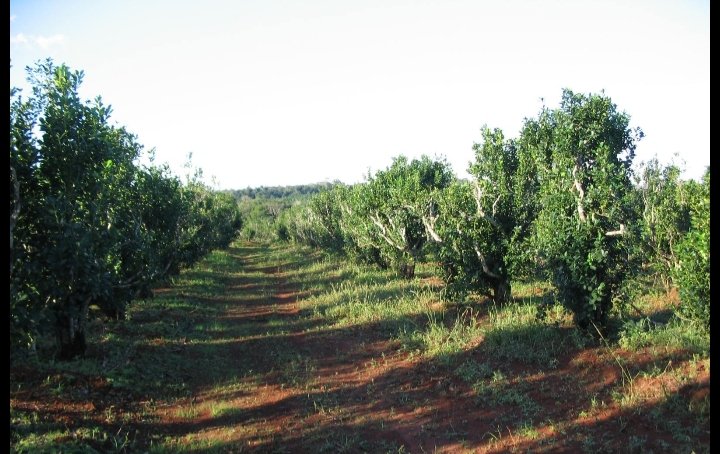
point(92, 228)
point(89, 226)
point(561, 202)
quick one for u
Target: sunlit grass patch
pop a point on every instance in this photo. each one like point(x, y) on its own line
point(673, 335)
point(366, 303)
point(527, 430)
point(51, 439)
point(218, 261)
point(199, 283)
point(440, 340)
point(191, 412)
point(190, 444)
point(223, 409)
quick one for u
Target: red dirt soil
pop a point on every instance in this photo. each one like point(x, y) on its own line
point(354, 390)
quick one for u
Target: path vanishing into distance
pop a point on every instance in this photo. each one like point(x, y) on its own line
point(294, 382)
point(273, 348)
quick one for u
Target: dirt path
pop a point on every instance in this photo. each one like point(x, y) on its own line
point(307, 388)
point(315, 388)
point(238, 360)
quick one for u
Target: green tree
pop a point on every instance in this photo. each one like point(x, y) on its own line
point(692, 274)
point(392, 211)
point(87, 225)
point(72, 180)
point(665, 218)
point(483, 222)
point(317, 221)
point(585, 227)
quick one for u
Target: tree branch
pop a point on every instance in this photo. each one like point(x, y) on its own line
point(383, 232)
point(484, 264)
point(491, 219)
point(618, 232)
point(578, 187)
point(495, 205)
point(430, 228)
point(376, 220)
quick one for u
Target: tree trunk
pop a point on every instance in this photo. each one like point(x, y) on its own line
point(406, 270)
point(71, 338)
point(70, 329)
point(501, 290)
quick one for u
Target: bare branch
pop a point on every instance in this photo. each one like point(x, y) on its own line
point(383, 232)
point(618, 232)
point(346, 209)
point(478, 197)
point(495, 205)
point(459, 228)
point(410, 208)
point(484, 264)
point(392, 224)
point(429, 224)
point(376, 220)
point(578, 187)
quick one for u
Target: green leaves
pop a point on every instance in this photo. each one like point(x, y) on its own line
point(382, 221)
point(664, 212)
point(558, 201)
point(483, 221)
point(584, 176)
point(693, 272)
point(87, 224)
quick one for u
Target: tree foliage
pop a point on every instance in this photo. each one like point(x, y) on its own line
point(692, 274)
point(664, 218)
point(396, 205)
point(584, 229)
point(317, 221)
point(483, 222)
point(558, 202)
point(88, 225)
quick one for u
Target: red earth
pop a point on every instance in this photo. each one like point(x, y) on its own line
point(357, 389)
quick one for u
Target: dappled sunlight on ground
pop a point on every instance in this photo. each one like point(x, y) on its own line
point(272, 359)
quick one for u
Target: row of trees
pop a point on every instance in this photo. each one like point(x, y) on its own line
point(261, 207)
point(280, 192)
point(88, 224)
point(560, 202)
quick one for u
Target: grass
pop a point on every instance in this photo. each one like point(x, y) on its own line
point(273, 348)
point(441, 340)
point(522, 332)
point(642, 333)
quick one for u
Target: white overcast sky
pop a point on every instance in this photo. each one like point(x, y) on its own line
point(273, 92)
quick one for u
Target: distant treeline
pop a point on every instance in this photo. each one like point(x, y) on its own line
point(281, 192)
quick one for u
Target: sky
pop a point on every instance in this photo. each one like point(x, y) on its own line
point(281, 92)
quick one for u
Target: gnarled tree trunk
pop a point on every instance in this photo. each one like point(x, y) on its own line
point(501, 290)
point(70, 331)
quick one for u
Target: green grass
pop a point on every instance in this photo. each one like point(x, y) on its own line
point(673, 335)
point(440, 339)
point(521, 332)
point(224, 330)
